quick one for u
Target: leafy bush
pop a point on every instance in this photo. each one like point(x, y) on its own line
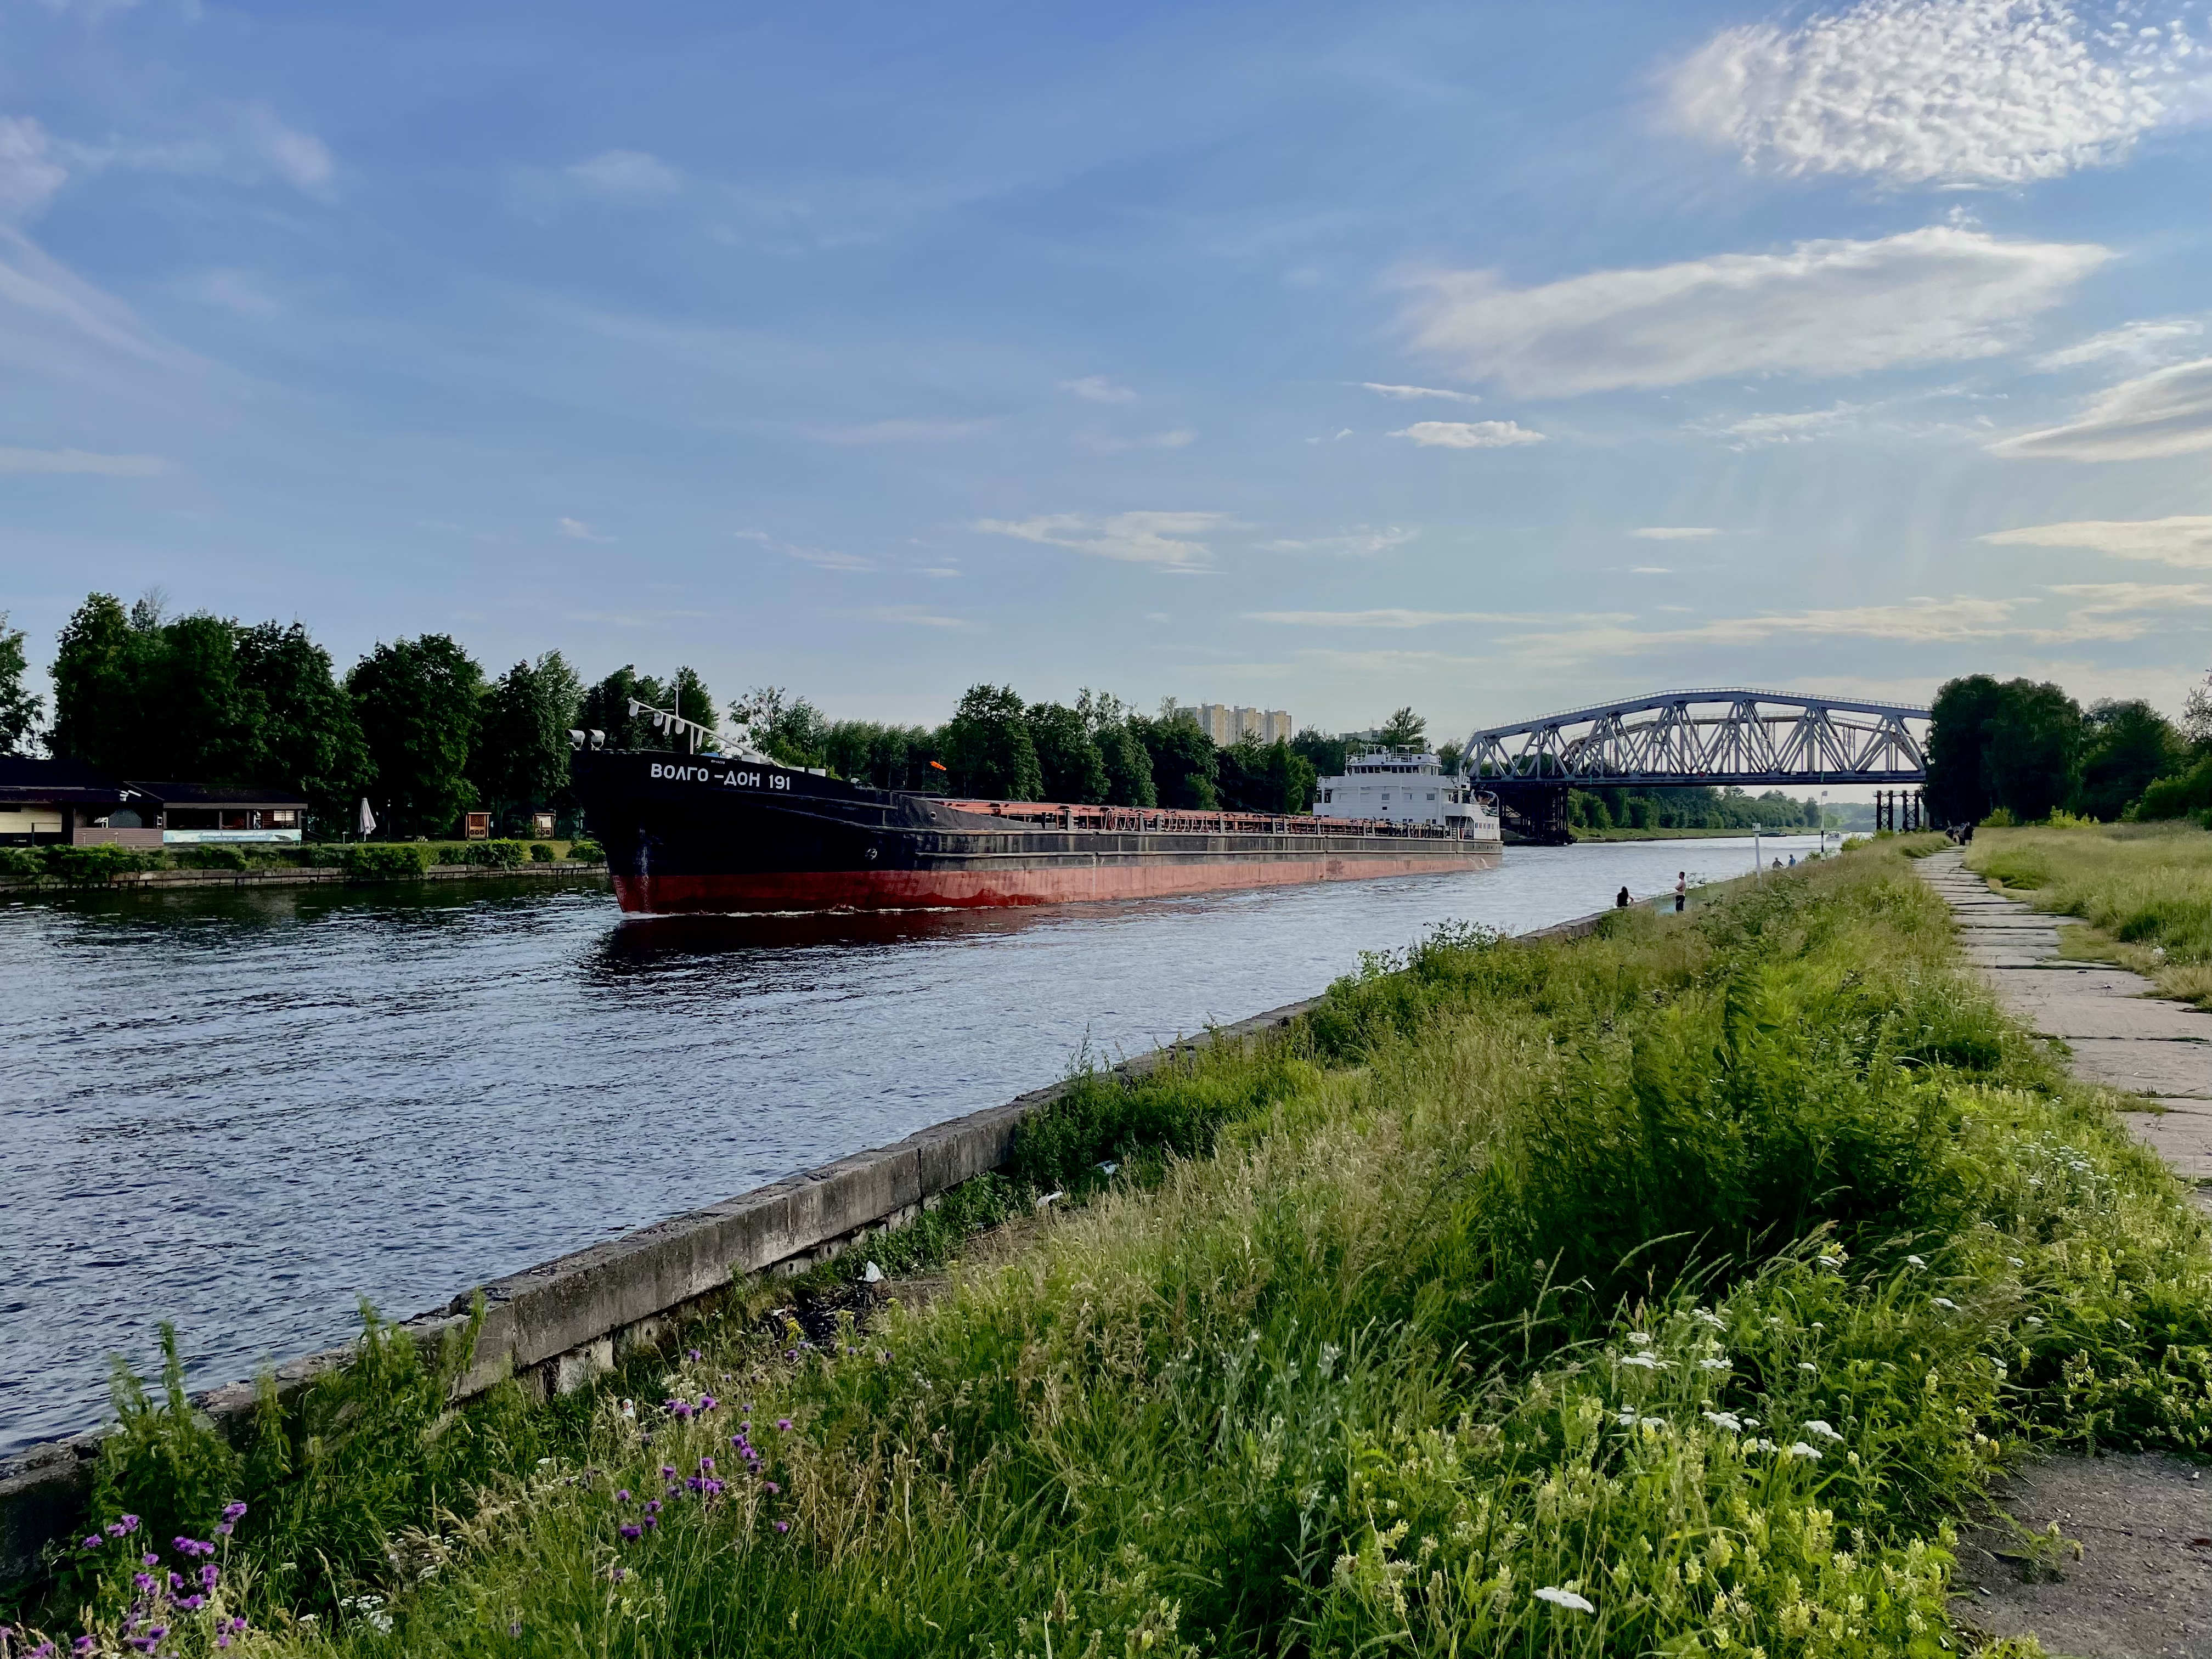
point(215, 857)
point(541, 851)
point(21, 864)
point(500, 855)
point(384, 861)
point(97, 864)
point(587, 852)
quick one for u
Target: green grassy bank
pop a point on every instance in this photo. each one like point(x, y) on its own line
point(2143, 890)
point(1671, 1291)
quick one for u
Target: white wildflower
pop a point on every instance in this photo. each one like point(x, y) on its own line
point(1946, 1302)
point(1564, 1598)
point(1820, 1427)
point(1808, 1365)
point(2033, 1320)
point(1640, 1338)
point(1644, 1359)
point(2015, 1261)
point(1831, 1261)
point(1799, 1448)
point(1915, 1262)
point(1706, 1316)
point(1716, 1365)
point(1727, 1420)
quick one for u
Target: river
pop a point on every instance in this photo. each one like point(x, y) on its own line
point(247, 1110)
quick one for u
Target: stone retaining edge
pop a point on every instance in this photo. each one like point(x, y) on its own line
point(302, 875)
point(558, 1325)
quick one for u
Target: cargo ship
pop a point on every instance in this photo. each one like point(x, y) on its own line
point(716, 832)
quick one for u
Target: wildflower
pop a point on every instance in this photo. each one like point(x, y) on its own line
point(83, 1644)
point(653, 1507)
point(706, 1464)
point(693, 1355)
point(1799, 1448)
point(1829, 1262)
point(783, 1423)
point(1727, 1420)
point(1719, 1363)
point(209, 1574)
point(150, 1560)
point(770, 1486)
point(622, 1495)
point(1817, 1426)
point(708, 1403)
point(1808, 1365)
point(93, 1542)
point(633, 1532)
point(682, 1409)
point(1640, 1338)
point(2015, 1261)
point(128, 1523)
point(1946, 1302)
point(783, 1526)
point(2033, 1320)
point(1915, 1262)
point(668, 1471)
point(1706, 1316)
point(1564, 1598)
point(1643, 1359)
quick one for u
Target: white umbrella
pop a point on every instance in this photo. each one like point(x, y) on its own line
point(367, 819)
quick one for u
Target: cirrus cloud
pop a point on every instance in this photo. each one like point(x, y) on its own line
point(2166, 412)
point(2182, 541)
point(1940, 293)
point(1167, 539)
point(1469, 435)
point(1673, 533)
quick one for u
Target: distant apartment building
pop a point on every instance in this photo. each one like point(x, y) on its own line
point(1226, 723)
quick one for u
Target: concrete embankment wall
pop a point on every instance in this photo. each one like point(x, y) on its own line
point(298, 875)
point(556, 1326)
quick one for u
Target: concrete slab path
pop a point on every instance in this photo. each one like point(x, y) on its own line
point(2118, 1032)
point(2141, 1587)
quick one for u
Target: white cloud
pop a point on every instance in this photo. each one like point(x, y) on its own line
point(1801, 426)
point(899, 432)
point(1959, 92)
point(29, 172)
point(81, 461)
point(1650, 570)
point(241, 293)
point(1824, 307)
point(1398, 618)
point(909, 615)
point(251, 143)
point(2166, 412)
point(1163, 538)
point(1174, 439)
point(577, 530)
point(1377, 387)
point(626, 175)
point(823, 558)
point(2142, 344)
point(1359, 542)
point(1098, 389)
point(1337, 436)
point(2182, 541)
point(1469, 435)
point(1673, 533)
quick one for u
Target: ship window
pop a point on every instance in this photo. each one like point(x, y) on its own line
point(1432, 794)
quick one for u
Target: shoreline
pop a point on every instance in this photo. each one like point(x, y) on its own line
point(305, 875)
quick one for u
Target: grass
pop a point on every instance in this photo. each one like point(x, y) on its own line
point(1669, 1291)
point(2144, 891)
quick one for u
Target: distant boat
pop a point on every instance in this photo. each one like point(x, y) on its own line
point(713, 832)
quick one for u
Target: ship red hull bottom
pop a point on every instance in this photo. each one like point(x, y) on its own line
point(920, 889)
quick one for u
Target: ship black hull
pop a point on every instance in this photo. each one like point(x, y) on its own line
point(706, 834)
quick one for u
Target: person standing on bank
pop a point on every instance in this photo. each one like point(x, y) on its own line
point(1681, 890)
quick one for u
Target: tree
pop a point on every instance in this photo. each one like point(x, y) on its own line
point(2126, 747)
point(1069, 761)
point(1405, 730)
point(306, 732)
point(1328, 756)
point(988, 748)
point(416, 702)
point(521, 763)
point(200, 724)
point(1127, 764)
point(787, 729)
point(1448, 755)
point(19, 709)
point(2016, 745)
point(1251, 776)
point(1184, 761)
point(99, 667)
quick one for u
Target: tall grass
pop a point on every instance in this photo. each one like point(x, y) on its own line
point(2146, 887)
point(1669, 1291)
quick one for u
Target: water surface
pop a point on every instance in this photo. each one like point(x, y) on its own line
point(245, 1111)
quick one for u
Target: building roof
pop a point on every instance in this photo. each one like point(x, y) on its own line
point(63, 782)
point(192, 794)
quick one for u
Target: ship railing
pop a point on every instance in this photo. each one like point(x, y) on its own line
point(1045, 815)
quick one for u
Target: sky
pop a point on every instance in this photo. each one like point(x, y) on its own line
point(1490, 359)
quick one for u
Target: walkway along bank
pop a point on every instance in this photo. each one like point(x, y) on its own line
point(558, 1325)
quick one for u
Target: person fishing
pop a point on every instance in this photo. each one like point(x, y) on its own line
point(1681, 890)
point(1620, 900)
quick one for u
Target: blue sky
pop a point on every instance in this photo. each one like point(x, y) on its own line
point(1491, 359)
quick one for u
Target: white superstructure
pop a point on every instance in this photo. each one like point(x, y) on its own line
point(1405, 788)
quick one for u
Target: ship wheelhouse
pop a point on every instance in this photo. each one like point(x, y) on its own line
point(1401, 787)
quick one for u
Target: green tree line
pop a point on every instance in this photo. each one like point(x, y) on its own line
point(2025, 749)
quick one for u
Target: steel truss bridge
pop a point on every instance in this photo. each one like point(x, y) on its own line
point(1677, 740)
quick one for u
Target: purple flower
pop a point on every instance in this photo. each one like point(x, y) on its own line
point(692, 1354)
point(650, 1521)
point(714, 1489)
point(770, 1486)
point(783, 1422)
point(708, 1403)
point(116, 1529)
point(129, 1523)
point(93, 1542)
point(150, 1560)
point(223, 1639)
point(633, 1532)
point(83, 1644)
point(233, 1511)
point(209, 1574)
point(144, 1581)
point(622, 1495)
point(653, 1507)
point(238, 1622)
point(708, 1464)
point(783, 1526)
